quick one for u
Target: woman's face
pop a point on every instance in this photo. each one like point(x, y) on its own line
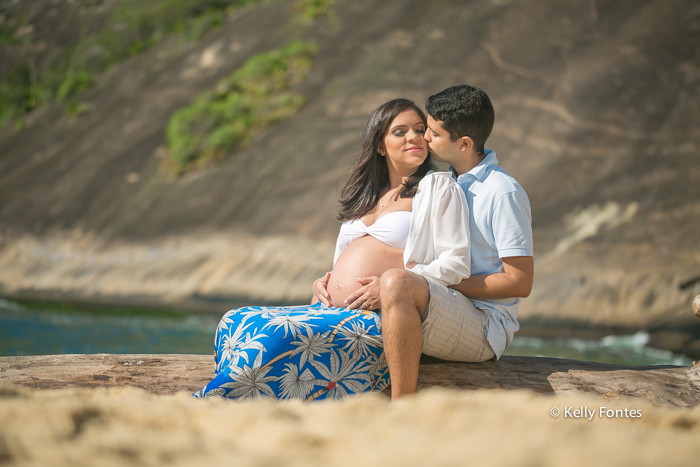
point(403, 144)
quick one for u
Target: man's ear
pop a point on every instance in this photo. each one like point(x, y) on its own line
point(466, 144)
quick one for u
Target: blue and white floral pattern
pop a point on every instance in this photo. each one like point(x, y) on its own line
point(299, 352)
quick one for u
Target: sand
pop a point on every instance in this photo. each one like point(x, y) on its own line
point(128, 426)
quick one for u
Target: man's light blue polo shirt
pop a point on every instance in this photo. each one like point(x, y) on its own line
point(500, 226)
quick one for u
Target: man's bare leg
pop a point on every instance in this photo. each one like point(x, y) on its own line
point(405, 297)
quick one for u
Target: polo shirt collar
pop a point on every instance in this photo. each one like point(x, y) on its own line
point(480, 171)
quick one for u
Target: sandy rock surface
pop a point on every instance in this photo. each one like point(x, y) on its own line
point(128, 426)
point(665, 385)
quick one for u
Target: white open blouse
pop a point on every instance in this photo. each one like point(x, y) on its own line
point(438, 239)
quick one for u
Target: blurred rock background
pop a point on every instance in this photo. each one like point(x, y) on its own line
point(597, 115)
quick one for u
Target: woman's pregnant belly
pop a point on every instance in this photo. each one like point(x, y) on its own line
point(364, 257)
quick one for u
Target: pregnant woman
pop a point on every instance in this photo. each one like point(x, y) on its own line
point(394, 209)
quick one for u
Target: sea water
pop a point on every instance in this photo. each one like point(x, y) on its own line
point(619, 350)
point(34, 331)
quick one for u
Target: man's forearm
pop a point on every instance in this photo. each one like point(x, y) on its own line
point(492, 286)
point(515, 281)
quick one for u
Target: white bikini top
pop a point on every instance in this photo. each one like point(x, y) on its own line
point(391, 228)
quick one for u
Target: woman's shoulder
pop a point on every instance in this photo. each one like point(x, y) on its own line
point(437, 180)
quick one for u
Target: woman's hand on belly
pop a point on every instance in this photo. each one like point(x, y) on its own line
point(363, 258)
point(367, 297)
point(320, 289)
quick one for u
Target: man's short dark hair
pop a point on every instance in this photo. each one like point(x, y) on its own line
point(464, 111)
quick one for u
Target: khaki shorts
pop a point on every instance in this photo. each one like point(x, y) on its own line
point(453, 328)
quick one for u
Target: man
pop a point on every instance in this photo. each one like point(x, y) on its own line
point(420, 315)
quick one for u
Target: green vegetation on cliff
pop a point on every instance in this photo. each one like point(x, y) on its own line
point(310, 9)
point(251, 98)
point(42, 70)
point(137, 24)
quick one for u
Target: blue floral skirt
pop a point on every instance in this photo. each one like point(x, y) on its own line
point(299, 352)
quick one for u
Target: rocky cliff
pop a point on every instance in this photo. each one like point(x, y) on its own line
point(597, 115)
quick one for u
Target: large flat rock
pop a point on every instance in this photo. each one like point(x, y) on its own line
point(672, 386)
point(159, 374)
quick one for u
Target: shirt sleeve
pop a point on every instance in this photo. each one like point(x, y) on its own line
point(512, 225)
point(449, 218)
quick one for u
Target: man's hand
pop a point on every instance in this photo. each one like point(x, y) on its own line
point(367, 297)
point(321, 290)
point(515, 281)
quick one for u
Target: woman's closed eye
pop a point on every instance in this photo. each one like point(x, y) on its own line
point(403, 132)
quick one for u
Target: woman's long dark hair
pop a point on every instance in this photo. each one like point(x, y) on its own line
point(361, 192)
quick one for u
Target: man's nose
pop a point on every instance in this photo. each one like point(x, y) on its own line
point(427, 136)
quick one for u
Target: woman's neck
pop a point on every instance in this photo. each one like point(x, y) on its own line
point(396, 179)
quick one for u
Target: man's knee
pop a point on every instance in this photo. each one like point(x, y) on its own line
point(396, 281)
point(400, 284)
